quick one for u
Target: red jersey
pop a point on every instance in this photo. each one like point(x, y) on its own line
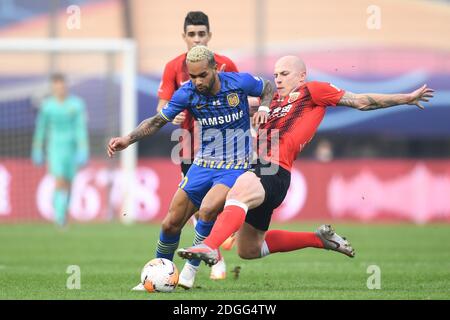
point(296, 118)
point(175, 75)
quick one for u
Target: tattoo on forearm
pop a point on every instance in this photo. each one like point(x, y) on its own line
point(381, 103)
point(267, 94)
point(147, 128)
point(367, 102)
point(349, 99)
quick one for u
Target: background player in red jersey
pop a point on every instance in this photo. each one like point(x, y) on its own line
point(296, 112)
point(196, 32)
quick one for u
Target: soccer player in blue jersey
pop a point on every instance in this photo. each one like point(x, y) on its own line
point(218, 102)
point(196, 32)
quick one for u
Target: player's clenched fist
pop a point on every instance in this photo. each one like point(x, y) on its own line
point(117, 144)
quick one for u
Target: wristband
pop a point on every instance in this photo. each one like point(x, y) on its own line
point(264, 108)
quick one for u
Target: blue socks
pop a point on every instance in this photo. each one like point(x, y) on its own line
point(202, 230)
point(167, 245)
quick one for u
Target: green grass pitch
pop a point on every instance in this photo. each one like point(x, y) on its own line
point(414, 263)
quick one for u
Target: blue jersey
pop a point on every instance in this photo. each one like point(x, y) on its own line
point(223, 119)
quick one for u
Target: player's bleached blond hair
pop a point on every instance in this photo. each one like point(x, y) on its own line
point(200, 53)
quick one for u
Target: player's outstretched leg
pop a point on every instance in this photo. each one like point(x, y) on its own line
point(277, 241)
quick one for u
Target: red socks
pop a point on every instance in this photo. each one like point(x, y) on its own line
point(233, 217)
point(283, 241)
point(227, 223)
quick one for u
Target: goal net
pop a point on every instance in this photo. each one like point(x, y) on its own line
point(102, 73)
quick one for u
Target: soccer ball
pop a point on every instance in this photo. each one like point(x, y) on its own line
point(159, 275)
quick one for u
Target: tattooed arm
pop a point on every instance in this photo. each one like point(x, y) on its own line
point(266, 99)
point(147, 128)
point(373, 101)
point(267, 94)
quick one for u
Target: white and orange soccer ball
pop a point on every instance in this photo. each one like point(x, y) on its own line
point(159, 275)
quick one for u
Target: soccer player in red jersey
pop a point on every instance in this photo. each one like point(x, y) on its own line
point(196, 32)
point(296, 112)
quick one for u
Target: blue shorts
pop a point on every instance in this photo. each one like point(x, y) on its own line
point(200, 180)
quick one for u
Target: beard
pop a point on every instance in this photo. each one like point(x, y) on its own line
point(207, 88)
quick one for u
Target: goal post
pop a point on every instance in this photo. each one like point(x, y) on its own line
point(127, 50)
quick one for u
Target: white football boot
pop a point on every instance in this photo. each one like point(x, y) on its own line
point(139, 287)
point(187, 276)
point(219, 270)
point(332, 241)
